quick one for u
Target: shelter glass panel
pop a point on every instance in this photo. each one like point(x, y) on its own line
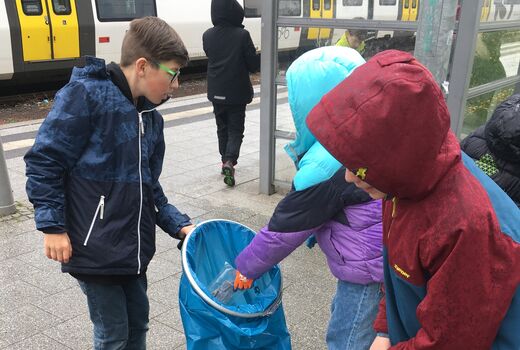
point(497, 55)
point(284, 167)
point(284, 134)
point(389, 10)
point(284, 121)
point(289, 8)
point(295, 41)
point(500, 10)
point(479, 109)
point(253, 8)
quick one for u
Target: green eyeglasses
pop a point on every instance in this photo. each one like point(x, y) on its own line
point(174, 74)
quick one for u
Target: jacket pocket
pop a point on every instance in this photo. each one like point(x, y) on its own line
point(100, 209)
point(328, 246)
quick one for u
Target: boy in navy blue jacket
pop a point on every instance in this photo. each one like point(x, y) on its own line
point(93, 178)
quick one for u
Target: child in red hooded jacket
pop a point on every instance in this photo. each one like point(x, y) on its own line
point(451, 273)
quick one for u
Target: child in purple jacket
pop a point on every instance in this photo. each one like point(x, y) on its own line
point(345, 221)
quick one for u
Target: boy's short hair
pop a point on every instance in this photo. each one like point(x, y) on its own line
point(154, 39)
point(361, 34)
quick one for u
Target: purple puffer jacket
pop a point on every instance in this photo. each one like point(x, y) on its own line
point(354, 251)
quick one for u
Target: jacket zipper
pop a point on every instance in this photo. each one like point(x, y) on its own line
point(394, 214)
point(101, 210)
point(141, 134)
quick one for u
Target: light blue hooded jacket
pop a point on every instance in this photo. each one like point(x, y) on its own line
point(330, 65)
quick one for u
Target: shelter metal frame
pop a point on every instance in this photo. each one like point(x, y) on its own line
point(434, 33)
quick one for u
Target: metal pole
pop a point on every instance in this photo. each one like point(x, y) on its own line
point(463, 56)
point(435, 36)
point(7, 205)
point(268, 65)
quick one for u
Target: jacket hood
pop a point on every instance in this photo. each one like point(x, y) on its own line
point(119, 79)
point(389, 117)
point(89, 66)
point(502, 131)
point(227, 13)
point(309, 78)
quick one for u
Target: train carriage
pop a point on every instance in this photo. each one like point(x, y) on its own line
point(43, 39)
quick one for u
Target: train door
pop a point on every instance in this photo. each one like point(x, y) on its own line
point(410, 10)
point(65, 30)
point(320, 9)
point(35, 28)
point(49, 29)
point(414, 10)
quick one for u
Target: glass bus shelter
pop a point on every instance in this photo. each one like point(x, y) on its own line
point(472, 47)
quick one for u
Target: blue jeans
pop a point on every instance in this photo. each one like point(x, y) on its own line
point(353, 311)
point(119, 314)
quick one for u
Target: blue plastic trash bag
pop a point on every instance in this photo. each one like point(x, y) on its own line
point(214, 316)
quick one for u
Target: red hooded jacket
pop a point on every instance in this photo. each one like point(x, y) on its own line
point(450, 273)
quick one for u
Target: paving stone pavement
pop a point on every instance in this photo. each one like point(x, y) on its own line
point(42, 308)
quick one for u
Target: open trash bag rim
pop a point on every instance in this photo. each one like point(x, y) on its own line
point(193, 281)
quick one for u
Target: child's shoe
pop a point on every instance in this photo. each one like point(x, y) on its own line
point(229, 173)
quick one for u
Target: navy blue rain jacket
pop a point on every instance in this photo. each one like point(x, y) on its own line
point(84, 176)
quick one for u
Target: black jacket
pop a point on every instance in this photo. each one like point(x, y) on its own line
point(500, 139)
point(231, 55)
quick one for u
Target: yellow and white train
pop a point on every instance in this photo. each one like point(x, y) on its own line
point(42, 38)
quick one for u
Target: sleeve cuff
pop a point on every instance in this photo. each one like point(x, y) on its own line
point(53, 229)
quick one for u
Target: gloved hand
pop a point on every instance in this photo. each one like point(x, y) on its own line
point(242, 282)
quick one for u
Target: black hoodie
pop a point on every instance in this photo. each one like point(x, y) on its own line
point(231, 55)
point(500, 138)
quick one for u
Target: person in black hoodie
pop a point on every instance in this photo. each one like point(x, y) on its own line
point(231, 57)
point(495, 147)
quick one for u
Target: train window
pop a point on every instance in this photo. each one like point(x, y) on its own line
point(352, 2)
point(253, 8)
point(124, 10)
point(387, 2)
point(289, 8)
point(61, 7)
point(316, 5)
point(327, 5)
point(32, 7)
point(406, 4)
point(511, 2)
point(414, 4)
